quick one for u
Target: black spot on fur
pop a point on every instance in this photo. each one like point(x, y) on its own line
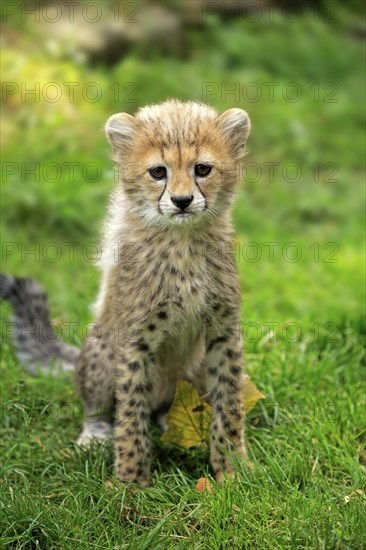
point(134, 366)
point(232, 354)
point(142, 345)
point(126, 387)
point(218, 340)
point(162, 315)
point(235, 370)
point(232, 383)
point(225, 422)
point(152, 327)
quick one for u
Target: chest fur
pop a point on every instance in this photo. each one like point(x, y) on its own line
point(166, 270)
point(186, 274)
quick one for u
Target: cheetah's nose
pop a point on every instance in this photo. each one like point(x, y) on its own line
point(182, 201)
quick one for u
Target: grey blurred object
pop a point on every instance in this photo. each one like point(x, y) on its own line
point(105, 35)
point(36, 343)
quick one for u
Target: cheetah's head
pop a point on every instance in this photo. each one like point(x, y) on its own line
point(179, 162)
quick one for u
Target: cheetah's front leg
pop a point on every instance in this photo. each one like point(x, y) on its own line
point(225, 379)
point(132, 415)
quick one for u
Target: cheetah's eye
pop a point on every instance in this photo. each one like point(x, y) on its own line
point(202, 170)
point(158, 173)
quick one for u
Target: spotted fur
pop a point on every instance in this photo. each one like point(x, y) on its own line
point(169, 305)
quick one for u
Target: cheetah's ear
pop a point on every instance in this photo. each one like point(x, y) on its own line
point(120, 130)
point(235, 124)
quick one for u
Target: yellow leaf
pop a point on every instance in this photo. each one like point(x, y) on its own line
point(189, 418)
point(251, 394)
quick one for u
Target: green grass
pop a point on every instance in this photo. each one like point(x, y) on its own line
point(302, 320)
point(307, 442)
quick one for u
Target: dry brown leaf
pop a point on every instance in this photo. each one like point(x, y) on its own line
point(355, 494)
point(189, 418)
point(203, 484)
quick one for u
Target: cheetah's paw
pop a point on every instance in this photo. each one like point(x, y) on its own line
point(99, 431)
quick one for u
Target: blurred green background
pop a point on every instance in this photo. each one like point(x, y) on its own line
point(297, 70)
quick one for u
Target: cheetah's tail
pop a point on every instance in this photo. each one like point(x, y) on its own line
point(36, 344)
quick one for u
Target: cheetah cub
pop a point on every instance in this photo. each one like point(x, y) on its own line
point(169, 304)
